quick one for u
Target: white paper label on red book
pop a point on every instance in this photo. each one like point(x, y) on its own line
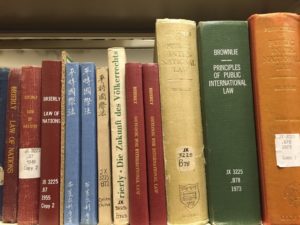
point(287, 148)
point(1, 176)
point(29, 163)
point(185, 158)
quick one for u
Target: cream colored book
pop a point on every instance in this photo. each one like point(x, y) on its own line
point(65, 58)
point(104, 152)
point(116, 65)
point(181, 121)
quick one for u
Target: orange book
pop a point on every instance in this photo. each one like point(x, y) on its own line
point(275, 42)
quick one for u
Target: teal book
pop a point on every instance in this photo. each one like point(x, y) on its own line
point(228, 123)
point(3, 104)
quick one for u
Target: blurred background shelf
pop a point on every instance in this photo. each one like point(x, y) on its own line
point(125, 15)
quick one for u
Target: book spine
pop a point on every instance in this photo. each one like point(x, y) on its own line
point(73, 145)
point(11, 156)
point(275, 51)
point(89, 197)
point(228, 119)
point(50, 143)
point(137, 168)
point(116, 62)
point(64, 60)
point(3, 105)
point(154, 146)
point(104, 150)
point(181, 121)
point(30, 146)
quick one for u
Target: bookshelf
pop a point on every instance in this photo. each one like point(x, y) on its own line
point(34, 30)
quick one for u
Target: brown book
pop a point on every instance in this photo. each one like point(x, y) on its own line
point(154, 146)
point(49, 210)
point(275, 42)
point(30, 146)
point(137, 167)
point(11, 154)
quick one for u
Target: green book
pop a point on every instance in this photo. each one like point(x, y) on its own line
point(228, 123)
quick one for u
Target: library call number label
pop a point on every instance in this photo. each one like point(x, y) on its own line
point(46, 197)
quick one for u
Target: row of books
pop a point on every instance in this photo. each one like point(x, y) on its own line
point(133, 143)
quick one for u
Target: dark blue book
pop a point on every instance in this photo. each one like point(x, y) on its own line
point(72, 146)
point(89, 197)
point(3, 101)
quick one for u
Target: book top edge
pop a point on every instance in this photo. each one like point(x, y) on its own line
point(223, 22)
point(176, 21)
point(116, 48)
point(275, 15)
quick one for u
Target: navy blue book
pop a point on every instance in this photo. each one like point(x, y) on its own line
point(72, 146)
point(89, 197)
point(3, 101)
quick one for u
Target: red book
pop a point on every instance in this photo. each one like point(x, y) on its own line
point(154, 146)
point(11, 154)
point(137, 168)
point(30, 146)
point(49, 210)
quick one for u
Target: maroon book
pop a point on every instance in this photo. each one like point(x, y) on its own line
point(154, 143)
point(30, 146)
point(11, 154)
point(137, 168)
point(49, 210)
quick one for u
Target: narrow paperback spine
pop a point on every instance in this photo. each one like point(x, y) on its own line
point(3, 105)
point(104, 149)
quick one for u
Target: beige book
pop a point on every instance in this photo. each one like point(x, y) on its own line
point(65, 58)
point(104, 152)
point(181, 121)
point(116, 65)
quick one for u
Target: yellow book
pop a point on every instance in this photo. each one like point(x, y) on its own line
point(104, 150)
point(116, 65)
point(181, 121)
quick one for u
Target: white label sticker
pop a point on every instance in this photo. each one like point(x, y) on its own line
point(185, 158)
point(287, 147)
point(29, 163)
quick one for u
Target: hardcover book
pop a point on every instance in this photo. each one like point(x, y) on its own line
point(3, 104)
point(73, 145)
point(30, 146)
point(104, 149)
point(137, 163)
point(154, 146)
point(89, 197)
point(228, 122)
point(50, 142)
point(11, 156)
point(275, 49)
point(116, 65)
point(181, 121)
